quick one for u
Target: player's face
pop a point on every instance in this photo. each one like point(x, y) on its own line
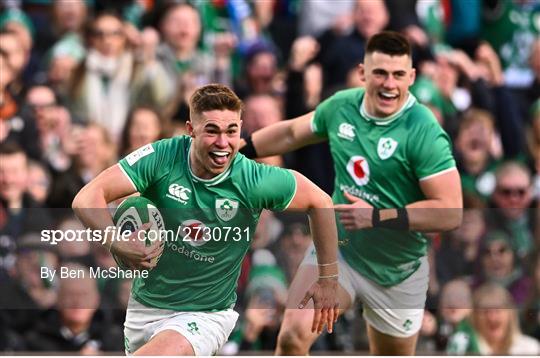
point(216, 138)
point(387, 80)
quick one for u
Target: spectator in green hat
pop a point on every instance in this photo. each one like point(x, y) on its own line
point(17, 21)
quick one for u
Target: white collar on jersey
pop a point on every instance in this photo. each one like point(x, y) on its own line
point(209, 182)
point(383, 121)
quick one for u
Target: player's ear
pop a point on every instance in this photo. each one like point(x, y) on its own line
point(189, 128)
point(413, 77)
point(362, 72)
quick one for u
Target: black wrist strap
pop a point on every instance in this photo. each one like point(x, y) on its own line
point(401, 222)
point(249, 149)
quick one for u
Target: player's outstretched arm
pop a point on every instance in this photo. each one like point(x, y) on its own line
point(283, 137)
point(440, 211)
point(323, 229)
point(90, 206)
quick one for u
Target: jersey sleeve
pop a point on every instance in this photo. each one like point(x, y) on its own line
point(272, 188)
point(430, 150)
point(319, 122)
point(143, 165)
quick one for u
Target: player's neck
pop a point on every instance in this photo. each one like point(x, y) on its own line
point(197, 169)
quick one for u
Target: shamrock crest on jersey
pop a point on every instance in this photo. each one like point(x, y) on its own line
point(226, 209)
point(386, 147)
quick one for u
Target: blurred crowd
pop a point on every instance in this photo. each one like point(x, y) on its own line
point(85, 82)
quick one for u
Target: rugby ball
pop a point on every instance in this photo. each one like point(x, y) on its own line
point(131, 214)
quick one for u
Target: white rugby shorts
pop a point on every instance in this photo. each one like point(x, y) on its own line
point(206, 331)
point(397, 310)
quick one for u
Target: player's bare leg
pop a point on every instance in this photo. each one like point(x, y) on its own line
point(295, 336)
point(383, 344)
point(166, 343)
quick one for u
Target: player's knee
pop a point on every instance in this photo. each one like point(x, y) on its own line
point(292, 341)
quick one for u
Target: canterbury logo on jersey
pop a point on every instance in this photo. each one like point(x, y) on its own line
point(358, 168)
point(346, 131)
point(178, 193)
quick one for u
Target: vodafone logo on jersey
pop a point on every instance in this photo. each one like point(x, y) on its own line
point(195, 232)
point(358, 168)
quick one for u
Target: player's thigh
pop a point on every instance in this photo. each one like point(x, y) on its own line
point(396, 311)
point(296, 324)
point(167, 343)
point(206, 332)
point(384, 344)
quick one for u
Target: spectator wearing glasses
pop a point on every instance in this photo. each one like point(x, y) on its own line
point(500, 265)
point(512, 198)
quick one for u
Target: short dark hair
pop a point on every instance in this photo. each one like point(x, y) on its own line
point(213, 97)
point(10, 147)
point(390, 43)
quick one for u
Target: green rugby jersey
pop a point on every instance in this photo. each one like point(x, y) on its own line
point(213, 222)
point(382, 163)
